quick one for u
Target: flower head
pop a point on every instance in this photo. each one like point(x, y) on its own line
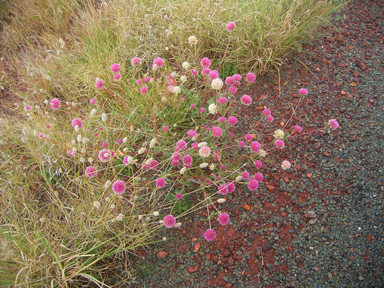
point(232, 120)
point(176, 156)
point(212, 108)
point(205, 71)
point(192, 40)
point(191, 133)
point(54, 103)
point(135, 61)
point(187, 161)
point(159, 62)
point(298, 128)
point(91, 172)
point(160, 183)
point(236, 77)
point(210, 235)
point(333, 123)
point(303, 91)
point(279, 134)
point(248, 137)
point(253, 184)
point(259, 177)
point(279, 143)
point(241, 143)
point(267, 112)
point(77, 122)
point(255, 146)
point(223, 218)
point(246, 100)
point(99, 84)
point(270, 118)
point(153, 165)
point(231, 187)
point(286, 165)
point(230, 26)
point(92, 101)
point(186, 65)
point(245, 175)
point(205, 151)
point(250, 77)
point(118, 187)
point(117, 76)
point(205, 62)
point(223, 189)
point(169, 221)
point(105, 155)
point(222, 100)
point(258, 164)
point(116, 67)
point(213, 74)
point(144, 89)
point(217, 131)
point(165, 128)
point(179, 196)
point(194, 72)
point(232, 89)
point(217, 84)
point(180, 145)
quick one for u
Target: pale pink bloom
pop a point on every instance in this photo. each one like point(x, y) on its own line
point(217, 131)
point(176, 156)
point(205, 62)
point(210, 235)
point(298, 128)
point(77, 122)
point(202, 109)
point(160, 182)
point(71, 154)
point(253, 184)
point(232, 89)
point(286, 165)
point(258, 164)
point(241, 143)
point(105, 155)
point(205, 71)
point(236, 77)
point(223, 189)
point(179, 196)
point(92, 101)
point(222, 100)
point(222, 119)
point(191, 133)
point(229, 80)
point(267, 112)
point(223, 218)
point(144, 89)
point(54, 103)
point(165, 128)
point(125, 160)
point(117, 76)
point(255, 146)
point(139, 81)
point(245, 175)
point(248, 137)
point(118, 187)
point(195, 146)
point(223, 167)
point(105, 144)
point(147, 79)
point(159, 62)
point(91, 172)
point(250, 77)
point(333, 123)
point(99, 84)
point(303, 91)
point(187, 161)
point(169, 221)
point(194, 72)
point(27, 108)
point(259, 177)
point(154, 165)
point(232, 120)
point(230, 26)
point(205, 151)
point(135, 61)
point(175, 162)
point(180, 145)
point(192, 106)
point(270, 118)
point(246, 100)
point(119, 141)
point(279, 143)
point(116, 67)
point(41, 135)
point(213, 74)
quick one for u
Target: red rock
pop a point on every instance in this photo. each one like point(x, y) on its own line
point(162, 255)
point(369, 237)
point(326, 154)
point(231, 261)
point(309, 175)
point(198, 232)
point(247, 207)
point(356, 74)
point(183, 247)
point(270, 187)
point(286, 180)
point(208, 256)
point(259, 108)
point(362, 66)
point(193, 269)
point(196, 247)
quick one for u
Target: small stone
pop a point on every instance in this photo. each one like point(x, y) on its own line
point(362, 66)
point(196, 247)
point(247, 207)
point(162, 255)
point(356, 74)
point(258, 251)
point(193, 269)
point(267, 246)
point(313, 221)
point(198, 232)
point(309, 175)
point(310, 214)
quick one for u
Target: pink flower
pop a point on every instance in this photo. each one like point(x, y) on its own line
point(165, 128)
point(139, 81)
point(259, 177)
point(222, 167)
point(230, 134)
point(194, 72)
point(245, 175)
point(105, 155)
point(267, 112)
point(91, 172)
point(99, 84)
point(205, 62)
point(41, 135)
point(231, 187)
point(202, 109)
point(205, 151)
point(187, 161)
point(147, 79)
point(229, 80)
point(125, 160)
point(303, 91)
point(176, 156)
point(250, 77)
point(241, 143)
point(258, 164)
point(279, 143)
point(236, 77)
point(191, 133)
point(54, 103)
point(222, 119)
point(144, 89)
point(118, 187)
point(205, 71)
point(180, 145)
point(298, 128)
point(135, 61)
point(160, 183)
point(120, 141)
point(169, 221)
point(253, 184)
point(230, 26)
point(105, 144)
point(217, 131)
point(255, 146)
point(286, 165)
point(71, 154)
point(179, 196)
point(77, 122)
point(232, 89)
point(223, 218)
point(159, 62)
point(270, 118)
point(210, 235)
point(222, 100)
point(92, 101)
point(217, 156)
point(192, 106)
point(246, 100)
point(195, 146)
point(115, 67)
point(117, 76)
point(232, 120)
point(213, 74)
point(248, 137)
point(333, 123)
point(27, 108)
point(154, 165)
point(175, 162)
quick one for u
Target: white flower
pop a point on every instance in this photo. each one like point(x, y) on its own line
point(154, 67)
point(186, 65)
point(221, 200)
point(35, 133)
point(152, 143)
point(73, 142)
point(183, 78)
point(163, 99)
point(82, 160)
point(164, 238)
point(125, 140)
point(141, 150)
point(93, 112)
point(173, 74)
point(204, 165)
point(279, 134)
point(182, 171)
point(79, 138)
point(103, 117)
point(212, 108)
point(85, 140)
point(147, 218)
point(238, 178)
point(192, 40)
point(286, 165)
point(90, 160)
point(74, 149)
point(149, 161)
point(46, 101)
point(202, 144)
point(217, 84)
point(178, 224)
point(77, 128)
point(96, 204)
point(176, 90)
point(125, 150)
point(119, 217)
point(140, 217)
point(212, 167)
point(113, 206)
point(107, 184)
point(156, 213)
point(262, 153)
point(25, 131)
